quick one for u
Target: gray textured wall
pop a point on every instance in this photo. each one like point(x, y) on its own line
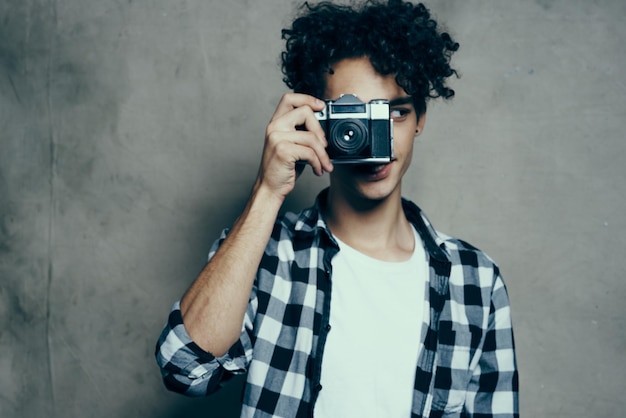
point(130, 133)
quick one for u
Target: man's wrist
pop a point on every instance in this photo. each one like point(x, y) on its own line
point(265, 193)
point(270, 199)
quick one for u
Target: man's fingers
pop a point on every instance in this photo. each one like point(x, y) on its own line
point(282, 142)
point(300, 126)
point(291, 101)
point(308, 155)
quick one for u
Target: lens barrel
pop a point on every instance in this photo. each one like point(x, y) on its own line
point(348, 136)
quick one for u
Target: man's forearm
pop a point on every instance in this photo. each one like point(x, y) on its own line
point(214, 306)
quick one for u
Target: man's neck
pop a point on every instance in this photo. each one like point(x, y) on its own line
point(376, 228)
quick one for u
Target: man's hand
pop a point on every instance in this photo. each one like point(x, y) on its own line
point(293, 135)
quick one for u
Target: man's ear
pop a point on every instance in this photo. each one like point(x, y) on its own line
point(420, 124)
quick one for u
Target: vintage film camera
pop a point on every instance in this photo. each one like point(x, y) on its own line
point(357, 132)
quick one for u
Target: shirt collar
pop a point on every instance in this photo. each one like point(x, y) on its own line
point(433, 242)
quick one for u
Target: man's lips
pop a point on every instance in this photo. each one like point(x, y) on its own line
point(371, 170)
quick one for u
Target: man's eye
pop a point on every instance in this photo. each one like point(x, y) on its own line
point(399, 113)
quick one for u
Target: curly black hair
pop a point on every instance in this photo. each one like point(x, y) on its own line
point(399, 38)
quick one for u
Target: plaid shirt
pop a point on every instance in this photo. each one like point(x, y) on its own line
point(467, 365)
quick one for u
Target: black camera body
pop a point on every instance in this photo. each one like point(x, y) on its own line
point(357, 132)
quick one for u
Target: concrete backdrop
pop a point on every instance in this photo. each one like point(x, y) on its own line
point(130, 134)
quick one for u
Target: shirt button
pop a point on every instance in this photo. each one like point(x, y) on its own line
point(328, 328)
point(318, 387)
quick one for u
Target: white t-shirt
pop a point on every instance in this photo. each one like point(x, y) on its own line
point(376, 315)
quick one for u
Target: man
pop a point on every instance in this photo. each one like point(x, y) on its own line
point(355, 307)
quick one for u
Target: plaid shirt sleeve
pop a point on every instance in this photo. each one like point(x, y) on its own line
point(493, 388)
point(188, 369)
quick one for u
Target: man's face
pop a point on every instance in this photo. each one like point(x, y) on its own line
point(374, 181)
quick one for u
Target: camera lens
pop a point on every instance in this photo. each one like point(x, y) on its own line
point(348, 137)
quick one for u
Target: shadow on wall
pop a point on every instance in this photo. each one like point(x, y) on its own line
point(225, 403)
